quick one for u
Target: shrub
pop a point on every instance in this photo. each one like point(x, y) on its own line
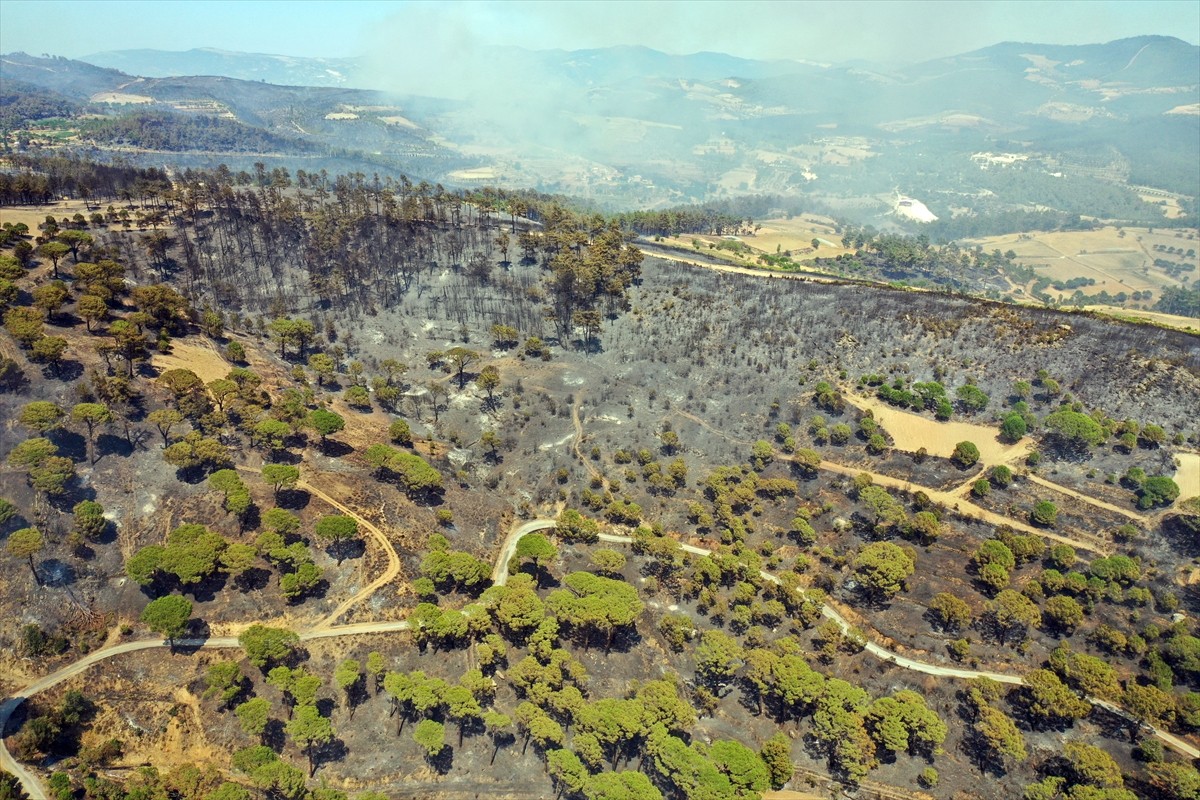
point(1044, 513)
point(966, 454)
point(1001, 476)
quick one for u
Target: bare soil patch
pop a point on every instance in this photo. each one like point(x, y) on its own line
point(198, 354)
point(912, 431)
point(1188, 474)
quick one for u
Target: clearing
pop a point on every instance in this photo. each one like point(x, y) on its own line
point(36, 214)
point(122, 98)
point(912, 431)
point(198, 355)
point(476, 174)
point(1188, 474)
point(770, 237)
point(797, 234)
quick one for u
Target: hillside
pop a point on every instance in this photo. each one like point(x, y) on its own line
point(634, 127)
point(277, 69)
point(223, 116)
point(526, 511)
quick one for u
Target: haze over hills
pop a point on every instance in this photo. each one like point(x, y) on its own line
point(635, 127)
point(588, 66)
point(284, 70)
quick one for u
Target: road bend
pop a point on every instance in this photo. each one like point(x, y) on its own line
point(34, 789)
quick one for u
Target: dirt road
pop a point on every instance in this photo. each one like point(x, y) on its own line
point(966, 508)
point(386, 577)
point(915, 665)
point(35, 791)
point(325, 629)
point(668, 254)
point(1092, 501)
point(509, 547)
point(393, 558)
point(29, 781)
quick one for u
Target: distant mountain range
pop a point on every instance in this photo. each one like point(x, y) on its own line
point(1139, 63)
point(631, 125)
point(585, 67)
point(282, 70)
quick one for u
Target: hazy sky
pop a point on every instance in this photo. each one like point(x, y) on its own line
point(894, 30)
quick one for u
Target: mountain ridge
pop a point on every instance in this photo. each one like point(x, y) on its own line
point(340, 71)
point(636, 126)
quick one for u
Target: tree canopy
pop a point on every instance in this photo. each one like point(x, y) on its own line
point(168, 615)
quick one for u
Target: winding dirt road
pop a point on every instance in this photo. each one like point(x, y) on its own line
point(389, 574)
point(966, 508)
point(393, 559)
point(509, 547)
point(882, 653)
point(577, 445)
point(325, 628)
point(951, 498)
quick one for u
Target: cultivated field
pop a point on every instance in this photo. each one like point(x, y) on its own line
point(772, 236)
point(797, 233)
point(476, 174)
point(1118, 259)
point(1170, 205)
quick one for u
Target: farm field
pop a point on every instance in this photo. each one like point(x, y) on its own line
point(1117, 259)
point(797, 233)
point(1170, 205)
point(770, 236)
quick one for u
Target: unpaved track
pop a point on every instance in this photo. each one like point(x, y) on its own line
point(966, 508)
point(34, 789)
point(1091, 501)
point(509, 547)
point(708, 427)
point(29, 781)
point(951, 498)
point(322, 630)
point(577, 446)
point(393, 558)
point(938, 670)
point(325, 628)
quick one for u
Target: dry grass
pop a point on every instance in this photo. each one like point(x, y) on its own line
point(476, 174)
point(1156, 317)
point(738, 178)
point(402, 122)
point(1118, 263)
point(912, 431)
point(36, 215)
point(1170, 205)
point(773, 236)
point(198, 355)
point(1188, 474)
point(121, 98)
point(797, 234)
